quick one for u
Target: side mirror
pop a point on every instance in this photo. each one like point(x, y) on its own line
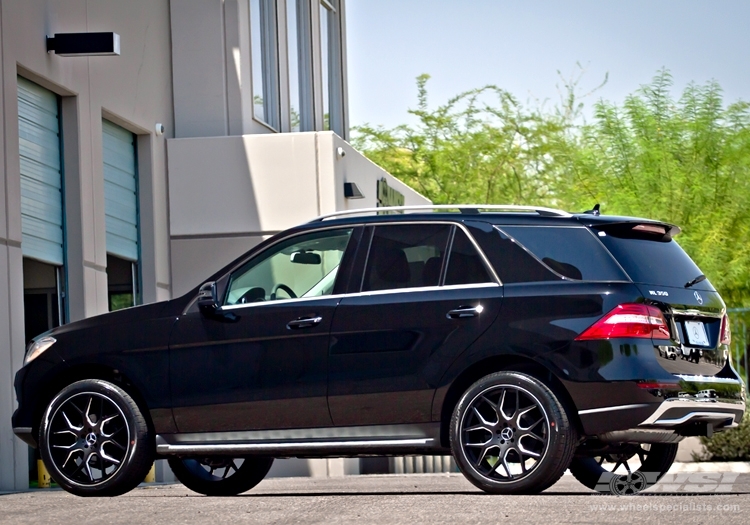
point(305, 258)
point(208, 302)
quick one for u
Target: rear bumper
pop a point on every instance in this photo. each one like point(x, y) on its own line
point(680, 414)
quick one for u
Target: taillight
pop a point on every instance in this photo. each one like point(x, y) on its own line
point(626, 321)
point(726, 332)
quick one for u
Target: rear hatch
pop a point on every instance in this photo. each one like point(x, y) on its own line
point(668, 278)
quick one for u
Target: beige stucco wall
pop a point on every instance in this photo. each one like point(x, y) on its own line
point(134, 90)
point(228, 193)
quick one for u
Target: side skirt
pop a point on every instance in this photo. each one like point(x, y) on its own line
point(309, 443)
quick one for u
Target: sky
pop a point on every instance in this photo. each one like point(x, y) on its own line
point(521, 45)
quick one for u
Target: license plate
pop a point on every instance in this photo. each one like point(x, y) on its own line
point(696, 333)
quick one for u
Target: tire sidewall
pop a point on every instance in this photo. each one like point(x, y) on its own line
point(121, 480)
point(558, 425)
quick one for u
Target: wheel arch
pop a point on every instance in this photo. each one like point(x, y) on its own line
point(83, 371)
point(503, 363)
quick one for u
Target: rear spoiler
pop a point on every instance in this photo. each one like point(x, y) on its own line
point(646, 230)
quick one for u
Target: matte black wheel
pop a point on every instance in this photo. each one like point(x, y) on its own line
point(220, 475)
point(510, 435)
point(628, 469)
point(94, 440)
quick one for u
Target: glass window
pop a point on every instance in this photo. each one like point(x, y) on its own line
point(265, 69)
point(300, 65)
point(303, 266)
point(465, 265)
point(405, 256)
point(326, 13)
point(652, 259)
point(574, 253)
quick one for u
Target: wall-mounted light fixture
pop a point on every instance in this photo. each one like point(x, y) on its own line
point(352, 191)
point(84, 44)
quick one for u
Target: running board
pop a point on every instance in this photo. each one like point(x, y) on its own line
point(324, 448)
point(312, 442)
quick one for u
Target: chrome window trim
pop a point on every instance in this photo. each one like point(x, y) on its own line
point(482, 255)
point(231, 307)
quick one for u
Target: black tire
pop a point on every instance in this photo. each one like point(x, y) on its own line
point(598, 473)
point(95, 440)
point(525, 452)
point(220, 475)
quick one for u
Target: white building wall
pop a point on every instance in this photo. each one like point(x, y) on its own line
point(133, 90)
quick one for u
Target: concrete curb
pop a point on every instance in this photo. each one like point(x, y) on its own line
point(711, 466)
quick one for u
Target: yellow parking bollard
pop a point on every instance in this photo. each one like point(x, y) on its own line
point(151, 476)
point(43, 479)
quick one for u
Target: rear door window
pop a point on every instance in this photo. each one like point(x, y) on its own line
point(405, 256)
point(572, 252)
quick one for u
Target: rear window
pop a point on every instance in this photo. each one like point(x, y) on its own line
point(659, 261)
point(572, 252)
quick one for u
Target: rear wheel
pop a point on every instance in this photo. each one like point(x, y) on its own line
point(627, 469)
point(94, 440)
point(510, 435)
point(220, 475)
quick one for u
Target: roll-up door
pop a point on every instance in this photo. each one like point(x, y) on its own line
point(41, 174)
point(120, 191)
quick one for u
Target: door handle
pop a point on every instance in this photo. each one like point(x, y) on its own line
point(304, 322)
point(465, 311)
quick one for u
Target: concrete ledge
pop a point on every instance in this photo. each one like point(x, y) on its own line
point(712, 466)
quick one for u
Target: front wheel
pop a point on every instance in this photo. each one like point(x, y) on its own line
point(220, 475)
point(94, 440)
point(627, 469)
point(510, 435)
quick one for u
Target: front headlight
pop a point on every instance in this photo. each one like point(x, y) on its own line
point(36, 348)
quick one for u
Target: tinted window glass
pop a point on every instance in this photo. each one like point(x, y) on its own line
point(655, 262)
point(511, 262)
point(574, 253)
point(405, 256)
point(465, 266)
point(303, 266)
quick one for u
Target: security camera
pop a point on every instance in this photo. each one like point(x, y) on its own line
point(159, 129)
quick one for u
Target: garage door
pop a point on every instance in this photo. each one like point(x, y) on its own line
point(120, 191)
point(41, 174)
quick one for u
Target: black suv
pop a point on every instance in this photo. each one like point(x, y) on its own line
point(522, 340)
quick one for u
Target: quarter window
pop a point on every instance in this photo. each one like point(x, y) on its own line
point(303, 266)
point(406, 256)
point(574, 253)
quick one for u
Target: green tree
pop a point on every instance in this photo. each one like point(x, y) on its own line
point(685, 161)
point(481, 146)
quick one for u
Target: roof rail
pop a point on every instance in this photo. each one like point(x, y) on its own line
point(469, 209)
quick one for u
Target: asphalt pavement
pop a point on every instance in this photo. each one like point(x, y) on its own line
point(682, 498)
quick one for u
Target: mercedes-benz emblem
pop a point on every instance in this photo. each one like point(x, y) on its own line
point(507, 434)
point(91, 439)
point(698, 297)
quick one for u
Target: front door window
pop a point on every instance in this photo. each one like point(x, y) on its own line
point(303, 266)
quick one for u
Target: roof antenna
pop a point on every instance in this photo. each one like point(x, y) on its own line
point(594, 210)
